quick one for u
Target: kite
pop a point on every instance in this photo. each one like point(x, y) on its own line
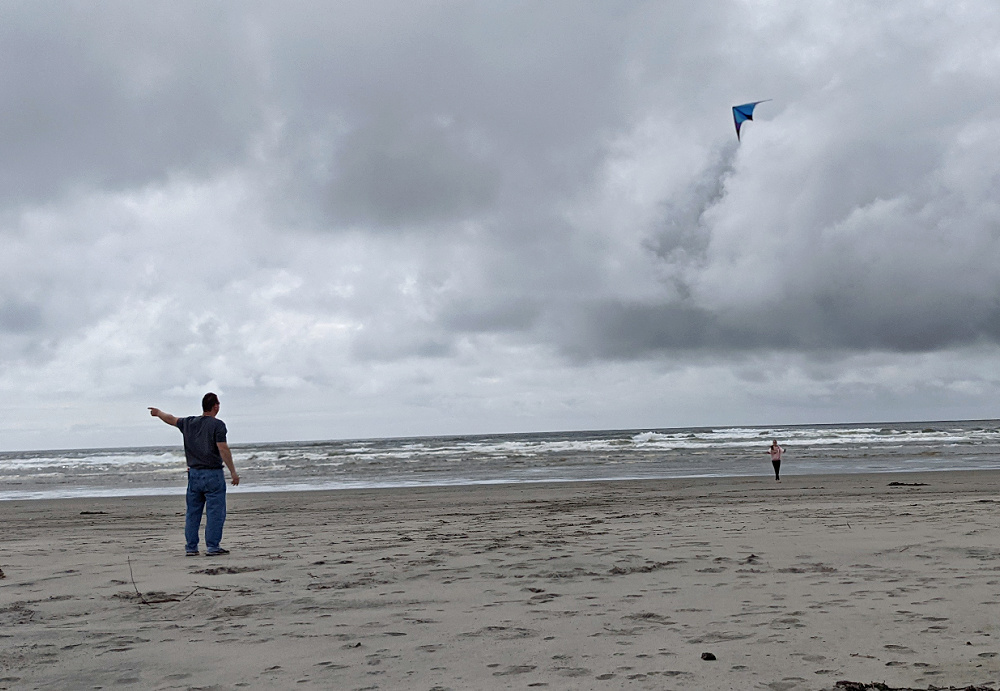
point(743, 113)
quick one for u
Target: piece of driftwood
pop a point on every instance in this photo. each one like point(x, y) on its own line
point(879, 686)
point(159, 601)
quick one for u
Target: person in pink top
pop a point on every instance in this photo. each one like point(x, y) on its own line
point(776, 452)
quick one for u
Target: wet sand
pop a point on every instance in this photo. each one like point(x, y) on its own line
point(791, 585)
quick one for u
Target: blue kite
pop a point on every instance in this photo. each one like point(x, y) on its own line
point(743, 113)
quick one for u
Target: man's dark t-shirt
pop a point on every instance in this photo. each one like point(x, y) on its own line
point(202, 434)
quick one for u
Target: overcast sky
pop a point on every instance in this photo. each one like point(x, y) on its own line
point(356, 219)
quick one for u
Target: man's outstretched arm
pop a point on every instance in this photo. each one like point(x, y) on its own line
point(166, 417)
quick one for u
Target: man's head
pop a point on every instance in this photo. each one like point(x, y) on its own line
point(208, 402)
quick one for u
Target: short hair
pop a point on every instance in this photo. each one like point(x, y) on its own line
point(209, 401)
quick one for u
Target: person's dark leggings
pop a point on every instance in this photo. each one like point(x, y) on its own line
point(777, 466)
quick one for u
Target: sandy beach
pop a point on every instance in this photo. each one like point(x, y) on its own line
point(792, 585)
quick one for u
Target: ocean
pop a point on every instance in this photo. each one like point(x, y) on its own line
point(514, 458)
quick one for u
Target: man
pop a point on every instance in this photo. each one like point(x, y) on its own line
point(206, 450)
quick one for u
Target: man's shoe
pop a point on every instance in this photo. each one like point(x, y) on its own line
point(217, 553)
point(192, 554)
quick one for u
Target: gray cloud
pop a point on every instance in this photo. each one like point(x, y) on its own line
point(396, 176)
point(121, 95)
point(316, 197)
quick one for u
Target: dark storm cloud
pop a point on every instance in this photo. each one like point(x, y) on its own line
point(119, 95)
point(834, 324)
point(19, 317)
point(681, 235)
point(505, 314)
point(444, 111)
point(409, 175)
point(279, 192)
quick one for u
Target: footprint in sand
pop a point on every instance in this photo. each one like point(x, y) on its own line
point(504, 633)
point(572, 671)
point(515, 669)
point(228, 570)
point(898, 648)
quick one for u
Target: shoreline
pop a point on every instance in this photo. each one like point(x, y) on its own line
point(595, 584)
point(178, 490)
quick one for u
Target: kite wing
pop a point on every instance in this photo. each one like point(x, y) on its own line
point(743, 113)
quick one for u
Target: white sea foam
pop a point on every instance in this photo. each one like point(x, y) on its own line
point(88, 461)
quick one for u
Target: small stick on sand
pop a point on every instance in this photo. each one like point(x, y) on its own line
point(141, 598)
point(166, 599)
point(878, 686)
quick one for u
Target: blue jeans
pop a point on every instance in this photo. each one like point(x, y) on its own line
point(206, 491)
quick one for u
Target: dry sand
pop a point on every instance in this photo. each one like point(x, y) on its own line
point(563, 586)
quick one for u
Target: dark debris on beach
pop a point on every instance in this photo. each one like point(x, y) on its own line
point(878, 686)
